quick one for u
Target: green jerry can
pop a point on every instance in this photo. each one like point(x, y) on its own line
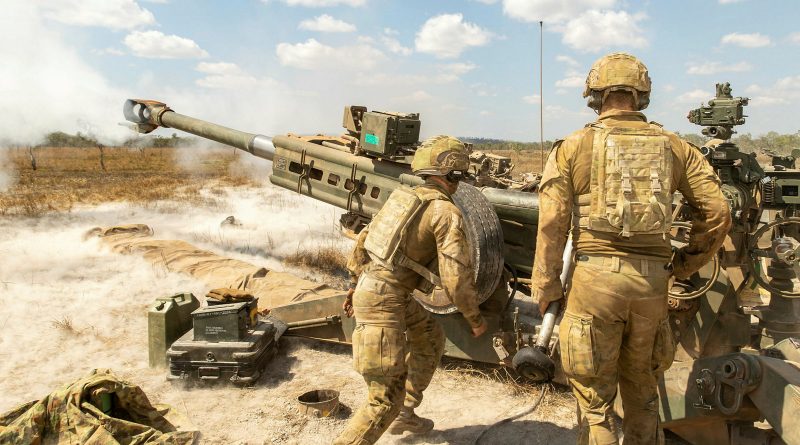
point(167, 320)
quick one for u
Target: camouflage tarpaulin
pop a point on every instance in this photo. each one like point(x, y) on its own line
point(97, 409)
point(272, 288)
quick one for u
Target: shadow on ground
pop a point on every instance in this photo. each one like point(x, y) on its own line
point(527, 432)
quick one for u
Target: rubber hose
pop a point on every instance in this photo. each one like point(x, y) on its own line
point(512, 418)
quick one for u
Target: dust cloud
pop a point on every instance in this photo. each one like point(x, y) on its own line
point(71, 305)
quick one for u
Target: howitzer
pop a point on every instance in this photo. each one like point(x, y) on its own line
point(357, 172)
point(730, 374)
point(737, 360)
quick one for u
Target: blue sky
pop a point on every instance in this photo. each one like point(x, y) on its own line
point(471, 68)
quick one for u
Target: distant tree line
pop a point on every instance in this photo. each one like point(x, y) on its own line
point(61, 139)
point(772, 142)
point(498, 144)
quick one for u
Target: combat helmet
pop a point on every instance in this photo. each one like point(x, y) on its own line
point(441, 156)
point(615, 72)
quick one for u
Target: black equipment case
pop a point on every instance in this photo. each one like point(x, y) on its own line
point(240, 362)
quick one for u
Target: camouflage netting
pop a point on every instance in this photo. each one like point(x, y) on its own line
point(97, 409)
point(273, 289)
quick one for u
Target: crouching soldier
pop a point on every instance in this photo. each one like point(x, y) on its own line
point(416, 241)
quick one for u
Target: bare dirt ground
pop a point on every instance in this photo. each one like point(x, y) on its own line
point(70, 306)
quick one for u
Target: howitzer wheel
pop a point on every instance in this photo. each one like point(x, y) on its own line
point(485, 237)
point(787, 253)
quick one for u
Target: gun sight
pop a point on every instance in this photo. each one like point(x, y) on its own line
point(721, 114)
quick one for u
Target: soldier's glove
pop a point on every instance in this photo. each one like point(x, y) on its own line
point(480, 329)
point(543, 305)
point(347, 306)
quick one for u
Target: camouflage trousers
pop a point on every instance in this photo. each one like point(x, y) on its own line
point(615, 335)
point(396, 347)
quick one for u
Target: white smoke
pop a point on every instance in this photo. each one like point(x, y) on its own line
point(46, 86)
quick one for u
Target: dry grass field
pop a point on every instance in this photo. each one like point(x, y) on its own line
point(525, 161)
point(65, 177)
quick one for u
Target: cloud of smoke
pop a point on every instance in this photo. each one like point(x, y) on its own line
point(70, 305)
point(53, 88)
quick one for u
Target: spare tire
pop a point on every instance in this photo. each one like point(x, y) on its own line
point(485, 237)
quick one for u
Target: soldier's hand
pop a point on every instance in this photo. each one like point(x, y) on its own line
point(481, 329)
point(347, 306)
point(543, 307)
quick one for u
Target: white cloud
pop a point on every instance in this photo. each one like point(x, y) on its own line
point(487, 2)
point(224, 75)
point(326, 23)
point(594, 31)
point(108, 52)
point(754, 40)
point(218, 68)
point(394, 46)
point(567, 59)
point(447, 73)
point(458, 69)
point(532, 99)
point(794, 38)
point(313, 55)
point(695, 96)
point(784, 91)
point(574, 81)
point(157, 45)
point(552, 11)
point(485, 113)
point(728, 2)
point(322, 3)
point(420, 95)
point(114, 14)
point(448, 35)
point(706, 68)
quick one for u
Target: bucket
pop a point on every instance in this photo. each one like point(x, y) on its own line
point(319, 402)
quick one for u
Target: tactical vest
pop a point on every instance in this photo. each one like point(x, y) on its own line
point(387, 233)
point(631, 182)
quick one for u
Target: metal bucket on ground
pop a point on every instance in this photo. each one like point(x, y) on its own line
point(319, 402)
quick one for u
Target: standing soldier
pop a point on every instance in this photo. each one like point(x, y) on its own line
point(612, 183)
point(396, 343)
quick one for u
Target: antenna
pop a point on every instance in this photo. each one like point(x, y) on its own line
point(541, 91)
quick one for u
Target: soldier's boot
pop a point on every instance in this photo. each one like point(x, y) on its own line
point(407, 420)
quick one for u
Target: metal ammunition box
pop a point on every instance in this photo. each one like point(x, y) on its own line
point(167, 319)
point(221, 322)
point(383, 133)
point(240, 362)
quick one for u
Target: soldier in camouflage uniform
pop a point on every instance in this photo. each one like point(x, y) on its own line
point(396, 343)
point(611, 184)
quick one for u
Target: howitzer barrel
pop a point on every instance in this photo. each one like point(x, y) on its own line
point(149, 115)
point(514, 205)
point(355, 183)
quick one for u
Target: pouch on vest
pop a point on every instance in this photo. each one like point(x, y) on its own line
point(631, 181)
point(388, 230)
